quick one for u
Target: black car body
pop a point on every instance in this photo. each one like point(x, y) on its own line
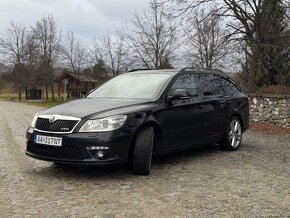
point(189, 108)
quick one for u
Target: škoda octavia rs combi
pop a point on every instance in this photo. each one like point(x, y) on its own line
point(139, 114)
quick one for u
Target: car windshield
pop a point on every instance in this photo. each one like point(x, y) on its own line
point(135, 85)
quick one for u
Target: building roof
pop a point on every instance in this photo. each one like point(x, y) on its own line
point(70, 76)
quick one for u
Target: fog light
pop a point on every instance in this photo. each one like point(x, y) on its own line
point(100, 154)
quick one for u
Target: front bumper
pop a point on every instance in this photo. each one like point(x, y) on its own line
point(76, 149)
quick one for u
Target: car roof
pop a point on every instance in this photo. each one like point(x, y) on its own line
point(163, 71)
point(176, 71)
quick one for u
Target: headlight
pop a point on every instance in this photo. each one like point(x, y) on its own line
point(103, 125)
point(34, 120)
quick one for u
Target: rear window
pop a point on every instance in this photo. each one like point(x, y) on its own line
point(228, 86)
point(209, 84)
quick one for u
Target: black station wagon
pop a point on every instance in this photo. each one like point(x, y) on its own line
point(139, 114)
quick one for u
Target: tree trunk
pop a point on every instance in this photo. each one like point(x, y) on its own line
point(42, 93)
point(19, 93)
point(52, 92)
point(46, 92)
point(77, 91)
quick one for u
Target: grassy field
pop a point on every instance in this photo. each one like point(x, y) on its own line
point(49, 103)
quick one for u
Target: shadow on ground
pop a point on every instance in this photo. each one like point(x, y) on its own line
point(158, 164)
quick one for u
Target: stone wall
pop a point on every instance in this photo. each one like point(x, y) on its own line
point(274, 109)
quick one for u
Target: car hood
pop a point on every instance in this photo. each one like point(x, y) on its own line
point(91, 106)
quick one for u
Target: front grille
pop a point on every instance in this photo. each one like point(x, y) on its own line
point(64, 153)
point(57, 126)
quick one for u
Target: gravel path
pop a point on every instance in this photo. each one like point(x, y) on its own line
point(204, 182)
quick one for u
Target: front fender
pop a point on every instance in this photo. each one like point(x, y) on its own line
point(160, 140)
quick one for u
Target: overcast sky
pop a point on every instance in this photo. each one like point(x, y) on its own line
point(87, 18)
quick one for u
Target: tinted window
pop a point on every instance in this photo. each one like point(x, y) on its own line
point(209, 84)
point(187, 82)
point(228, 86)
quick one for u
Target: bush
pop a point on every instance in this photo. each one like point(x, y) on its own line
point(274, 89)
point(238, 78)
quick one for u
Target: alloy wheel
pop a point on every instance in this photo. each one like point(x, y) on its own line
point(235, 133)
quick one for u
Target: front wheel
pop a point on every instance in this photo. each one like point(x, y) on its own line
point(233, 135)
point(142, 155)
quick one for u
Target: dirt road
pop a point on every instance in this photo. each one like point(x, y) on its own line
point(205, 182)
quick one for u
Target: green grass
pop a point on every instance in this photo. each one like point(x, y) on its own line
point(46, 104)
point(3, 98)
point(49, 103)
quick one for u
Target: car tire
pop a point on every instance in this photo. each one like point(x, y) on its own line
point(142, 154)
point(233, 135)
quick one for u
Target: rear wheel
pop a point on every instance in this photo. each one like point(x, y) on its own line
point(233, 135)
point(142, 154)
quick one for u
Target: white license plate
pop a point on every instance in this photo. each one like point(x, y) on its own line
point(48, 140)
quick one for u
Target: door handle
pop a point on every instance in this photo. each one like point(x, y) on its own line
point(200, 106)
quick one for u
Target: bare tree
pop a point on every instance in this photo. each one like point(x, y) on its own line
point(13, 46)
point(245, 16)
point(47, 38)
point(113, 52)
point(262, 25)
point(32, 59)
point(75, 57)
point(153, 38)
point(207, 43)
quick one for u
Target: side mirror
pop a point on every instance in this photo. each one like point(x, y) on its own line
point(179, 94)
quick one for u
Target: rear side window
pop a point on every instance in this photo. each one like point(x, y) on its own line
point(228, 86)
point(209, 84)
point(187, 82)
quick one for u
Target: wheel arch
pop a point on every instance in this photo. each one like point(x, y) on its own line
point(239, 116)
point(159, 137)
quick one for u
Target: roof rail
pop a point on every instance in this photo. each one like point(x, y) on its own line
point(139, 69)
point(186, 68)
point(197, 70)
